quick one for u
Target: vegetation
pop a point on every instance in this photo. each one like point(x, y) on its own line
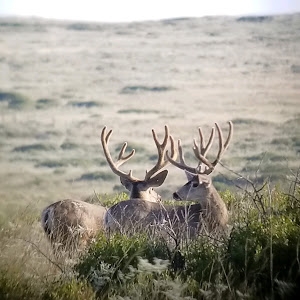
point(132, 89)
point(45, 103)
point(61, 89)
point(13, 100)
point(96, 176)
point(86, 104)
point(257, 259)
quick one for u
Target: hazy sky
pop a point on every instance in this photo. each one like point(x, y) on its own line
point(136, 10)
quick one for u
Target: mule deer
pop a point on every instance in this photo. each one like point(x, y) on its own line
point(71, 224)
point(142, 194)
point(199, 187)
point(209, 214)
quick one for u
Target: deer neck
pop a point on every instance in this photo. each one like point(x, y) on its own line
point(214, 207)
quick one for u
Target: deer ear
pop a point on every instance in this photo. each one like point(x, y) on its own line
point(158, 179)
point(126, 183)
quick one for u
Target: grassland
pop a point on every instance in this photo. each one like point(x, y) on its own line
point(61, 82)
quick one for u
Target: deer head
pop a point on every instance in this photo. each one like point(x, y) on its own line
point(199, 185)
point(141, 188)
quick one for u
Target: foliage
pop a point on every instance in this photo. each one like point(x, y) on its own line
point(258, 259)
point(132, 89)
point(69, 289)
point(107, 200)
point(45, 103)
point(14, 286)
point(85, 104)
point(33, 147)
point(96, 176)
point(13, 100)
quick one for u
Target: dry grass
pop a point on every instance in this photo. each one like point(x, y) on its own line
point(77, 77)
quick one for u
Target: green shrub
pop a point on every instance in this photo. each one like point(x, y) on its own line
point(51, 164)
point(96, 176)
point(69, 146)
point(132, 89)
point(69, 289)
point(16, 286)
point(261, 253)
point(138, 111)
point(86, 104)
point(13, 100)
point(106, 199)
point(45, 103)
point(110, 260)
point(34, 147)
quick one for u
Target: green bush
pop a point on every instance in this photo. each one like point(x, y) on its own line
point(85, 104)
point(132, 89)
point(138, 111)
point(69, 289)
point(14, 100)
point(96, 176)
point(258, 259)
point(34, 147)
point(15, 286)
point(107, 199)
point(110, 261)
point(45, 103)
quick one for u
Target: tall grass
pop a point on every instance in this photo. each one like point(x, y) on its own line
point(259, 259)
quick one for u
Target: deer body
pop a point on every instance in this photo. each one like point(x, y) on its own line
point(209, 214)
point(71, 224)
point(140, 215)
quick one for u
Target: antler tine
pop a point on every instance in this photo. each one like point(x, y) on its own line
point(121, 158)
point(161, 150)
point(229, 135)
point(201, 149)
point(181, 165)
point(222, 148)
point(181, 154)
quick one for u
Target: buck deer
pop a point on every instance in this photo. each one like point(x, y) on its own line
point(71, 224)
point(142, 194)
point(213, 210)
point(209, 214)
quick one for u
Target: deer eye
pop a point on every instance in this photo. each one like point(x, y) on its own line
point(195, 184)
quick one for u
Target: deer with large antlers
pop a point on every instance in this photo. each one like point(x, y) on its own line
point(209, 214)
point(142, 194)
point(199, 187)
point(71, 224)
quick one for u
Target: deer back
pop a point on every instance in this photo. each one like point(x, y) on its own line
point(72, 223)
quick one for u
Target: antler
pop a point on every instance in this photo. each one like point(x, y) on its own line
point(121, 158)
point(161, 149)
point(222, 148)
point(201, 151)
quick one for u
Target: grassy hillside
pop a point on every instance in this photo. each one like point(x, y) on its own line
point(259, 259)
point(61, 82)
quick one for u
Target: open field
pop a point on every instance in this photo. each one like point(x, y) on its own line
point(61, 82)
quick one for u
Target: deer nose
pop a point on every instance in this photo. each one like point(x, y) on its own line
point(176, 196)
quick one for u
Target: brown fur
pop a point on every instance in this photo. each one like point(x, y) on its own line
point(71, 224)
